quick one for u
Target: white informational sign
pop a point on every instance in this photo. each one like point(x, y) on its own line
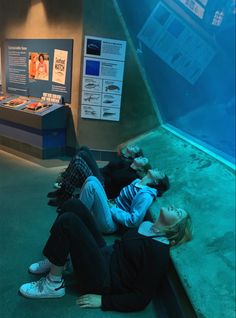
point(105, 48)
point(103, 71)
point(168, 36)
point(195, 7)
point(59, 66)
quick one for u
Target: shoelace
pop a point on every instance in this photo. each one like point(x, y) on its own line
point(40, 284)
point(44, 262)
point(62, 286)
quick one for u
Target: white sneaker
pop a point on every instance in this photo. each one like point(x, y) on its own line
point(41, 267)
point(43, 288)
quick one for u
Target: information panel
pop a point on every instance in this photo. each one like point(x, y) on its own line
point(102, 78)
point(34, 67)
point(178, 45)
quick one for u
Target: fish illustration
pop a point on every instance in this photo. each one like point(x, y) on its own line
point(108, 101)
point(91, 85)
point(89, 98)
point(108, 114)
point(90, 112)
point(112, 88)
point(93, 46)
point(89, 108)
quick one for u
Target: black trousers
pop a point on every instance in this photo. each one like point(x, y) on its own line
point(76, 233)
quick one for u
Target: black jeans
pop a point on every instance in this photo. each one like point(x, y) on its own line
point(77, 234)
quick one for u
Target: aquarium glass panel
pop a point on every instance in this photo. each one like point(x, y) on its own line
point(190, 66)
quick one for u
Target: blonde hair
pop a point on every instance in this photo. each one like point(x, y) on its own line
point(179, 232)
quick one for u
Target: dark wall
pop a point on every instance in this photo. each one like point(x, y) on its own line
point(73, 19)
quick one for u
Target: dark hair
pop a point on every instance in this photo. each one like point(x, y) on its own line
point(41, 54)
point(139, 154)
point(162, 186)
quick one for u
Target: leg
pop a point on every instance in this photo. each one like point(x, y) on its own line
point(70, 235)
point(77, 173)
point(88, 157)
point(75, 176)
point(93, 196)
point(77, 207)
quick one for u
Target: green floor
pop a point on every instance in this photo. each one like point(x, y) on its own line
point(206, 188)
point(24, 224)
point(199, 183)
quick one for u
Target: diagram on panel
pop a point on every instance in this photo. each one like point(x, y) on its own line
point(91, 98)
point(92, 84)
point(90, 112)
point(109, 113)
point(111, 100)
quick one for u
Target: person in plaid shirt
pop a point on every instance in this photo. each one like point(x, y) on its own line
point(118, 173)
point(79, 169)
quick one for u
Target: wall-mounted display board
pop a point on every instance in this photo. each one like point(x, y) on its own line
point(102, 78)
point(34, 67)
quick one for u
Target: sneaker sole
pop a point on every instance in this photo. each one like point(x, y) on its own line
point(42, 296)
point(38, 273)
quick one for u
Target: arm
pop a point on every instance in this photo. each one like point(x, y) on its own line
point(138, 210)
point(116, 163)
point(132, 301)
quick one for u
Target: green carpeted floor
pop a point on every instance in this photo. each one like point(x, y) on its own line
point(25, 219)
point(199, 183)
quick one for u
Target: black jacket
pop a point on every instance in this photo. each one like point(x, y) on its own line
point(137, 265)
point(117, 174)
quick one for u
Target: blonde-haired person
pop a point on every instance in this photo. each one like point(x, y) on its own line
point(122, 277)
point(174, 223)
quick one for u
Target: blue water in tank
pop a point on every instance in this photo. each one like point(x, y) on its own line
point(188, 58)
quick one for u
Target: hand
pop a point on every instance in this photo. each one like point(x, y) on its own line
point(89, 301)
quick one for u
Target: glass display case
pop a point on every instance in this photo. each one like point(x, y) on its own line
point(33, 126)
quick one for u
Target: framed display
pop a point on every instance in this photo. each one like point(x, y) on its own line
point(103, 71)
point(34, 67)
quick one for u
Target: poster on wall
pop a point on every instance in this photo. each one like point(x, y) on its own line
point(102, 83)
point(167, 35)
point(35, 67)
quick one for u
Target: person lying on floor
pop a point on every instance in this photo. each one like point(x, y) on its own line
point(123, 174)
point(128, 209)
point(85, 166)
point(119, 172)
point(79, 169)
point(122, 277)
point(125, 154)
